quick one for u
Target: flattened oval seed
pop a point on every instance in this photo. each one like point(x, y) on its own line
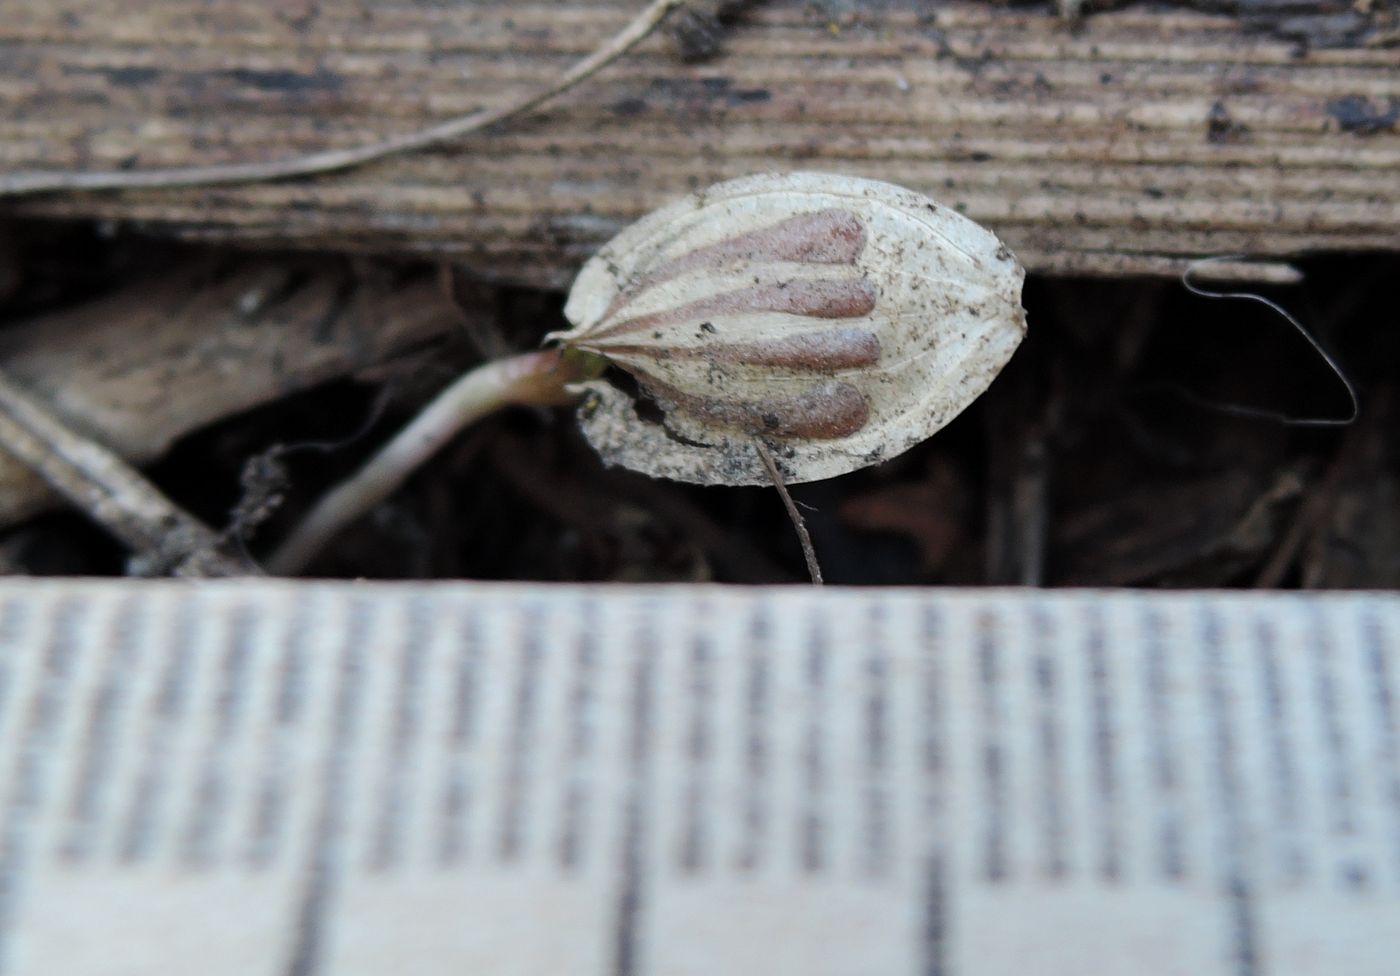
point(844, 318)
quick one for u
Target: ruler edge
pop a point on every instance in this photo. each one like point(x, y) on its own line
point(80, 586)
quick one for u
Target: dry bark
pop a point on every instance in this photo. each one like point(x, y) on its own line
point(163, 357)
point(1121, 142)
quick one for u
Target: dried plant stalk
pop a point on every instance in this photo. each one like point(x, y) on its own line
point(160, 357)
point(165, 539)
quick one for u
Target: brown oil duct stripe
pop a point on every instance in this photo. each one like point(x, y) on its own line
point(826, 412)
point(833, 237)
point(813, 299)
point(820, 352)
point(823, 237)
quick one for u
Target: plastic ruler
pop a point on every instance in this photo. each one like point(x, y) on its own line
point(270, 778)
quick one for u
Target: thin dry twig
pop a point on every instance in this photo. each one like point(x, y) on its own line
point(209, 338)
point(39, 181)
point(733, 552)
point(809, 552)
point(165, 538)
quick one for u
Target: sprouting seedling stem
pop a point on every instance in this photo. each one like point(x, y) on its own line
point(833, 398)
point(530, 379)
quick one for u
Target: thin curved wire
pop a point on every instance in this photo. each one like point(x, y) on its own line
point(1262, 413)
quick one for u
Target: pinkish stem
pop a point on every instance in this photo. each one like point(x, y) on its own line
point(531, 379)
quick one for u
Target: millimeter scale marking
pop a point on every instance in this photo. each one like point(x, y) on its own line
point(303, 779)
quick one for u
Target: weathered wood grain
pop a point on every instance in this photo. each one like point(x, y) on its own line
point(1121, 143)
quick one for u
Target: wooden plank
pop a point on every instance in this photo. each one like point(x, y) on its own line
point(1121, 143)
